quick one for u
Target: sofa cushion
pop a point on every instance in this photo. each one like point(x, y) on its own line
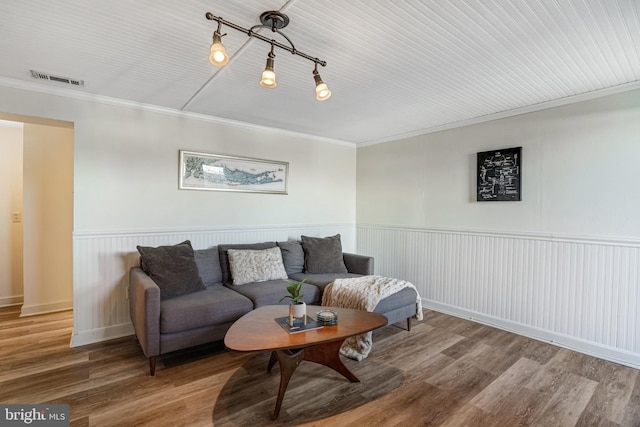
point(208, 264)
point(292, 256)
point(224, 259)
point(323, 255)
point(249, 265)
point(269, 292)
point(172, 268)
point(213, 306)
point(404, 297)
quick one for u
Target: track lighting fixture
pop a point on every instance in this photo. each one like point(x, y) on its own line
point(275, 21)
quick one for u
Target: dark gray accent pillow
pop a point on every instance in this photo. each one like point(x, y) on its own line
point(323, 255)
point(208, 264)
point(172, 268)
point(292, 256)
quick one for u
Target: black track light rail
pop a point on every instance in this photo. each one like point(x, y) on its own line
point(251, 33)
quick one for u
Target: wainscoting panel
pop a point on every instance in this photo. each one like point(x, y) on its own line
point(581, 293)
point(102, 260)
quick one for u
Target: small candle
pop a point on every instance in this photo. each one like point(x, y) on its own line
point(326, 317)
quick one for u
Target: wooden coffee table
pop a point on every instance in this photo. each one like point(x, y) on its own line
point(258, 331)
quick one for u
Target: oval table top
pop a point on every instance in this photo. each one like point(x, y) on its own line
point(258, 330)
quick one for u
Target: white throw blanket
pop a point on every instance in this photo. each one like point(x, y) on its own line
point(363, 293)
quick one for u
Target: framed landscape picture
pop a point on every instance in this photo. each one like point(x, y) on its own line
point(499, 175)
point(201, 171)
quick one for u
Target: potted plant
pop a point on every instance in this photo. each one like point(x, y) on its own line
point(297, 307)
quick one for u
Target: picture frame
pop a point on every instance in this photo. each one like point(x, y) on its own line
point(499, 175)
point(216, 172)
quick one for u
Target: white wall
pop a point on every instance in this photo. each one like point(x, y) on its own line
point(47, 219)
point(126, 193)
point(578, 173)
point(10, 202)
point(127, 164)
point(562, 264)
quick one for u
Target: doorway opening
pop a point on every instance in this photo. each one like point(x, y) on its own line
point(36, 214)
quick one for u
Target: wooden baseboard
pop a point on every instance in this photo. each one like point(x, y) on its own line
point(101, 334)
point(10, 301)
point(35, 309)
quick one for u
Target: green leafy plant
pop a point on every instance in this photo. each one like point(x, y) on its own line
point(294, 292)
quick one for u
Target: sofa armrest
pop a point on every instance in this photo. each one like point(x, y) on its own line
point(144, 308)
point(358, 264)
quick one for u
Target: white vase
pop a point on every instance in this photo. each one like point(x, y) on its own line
point(299, 310)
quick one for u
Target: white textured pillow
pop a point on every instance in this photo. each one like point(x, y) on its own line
point(250, 265)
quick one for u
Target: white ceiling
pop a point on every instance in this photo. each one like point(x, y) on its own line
point(396, 68)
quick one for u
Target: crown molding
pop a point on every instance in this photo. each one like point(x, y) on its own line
point(587, 96)
point(90, 97)
point(84, 96)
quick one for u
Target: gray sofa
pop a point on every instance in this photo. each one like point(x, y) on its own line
point(170, 320)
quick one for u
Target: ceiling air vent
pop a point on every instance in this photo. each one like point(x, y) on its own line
point(66, 80)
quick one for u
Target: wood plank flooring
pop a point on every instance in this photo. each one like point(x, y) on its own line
point(445, 372)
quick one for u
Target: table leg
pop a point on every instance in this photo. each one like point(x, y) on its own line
point(272, 361)
point(328, 354)
point(288, 363)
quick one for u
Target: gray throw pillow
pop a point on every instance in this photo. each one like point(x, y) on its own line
point(172, 268)
point(323, 255)
point(292, 256)
point(208, 264)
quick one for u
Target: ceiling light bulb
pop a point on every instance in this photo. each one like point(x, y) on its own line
point(268, 79)
point(218, 55)
point(268, 75)
point(322, 90)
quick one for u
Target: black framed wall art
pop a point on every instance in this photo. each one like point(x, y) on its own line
point(499, 175)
